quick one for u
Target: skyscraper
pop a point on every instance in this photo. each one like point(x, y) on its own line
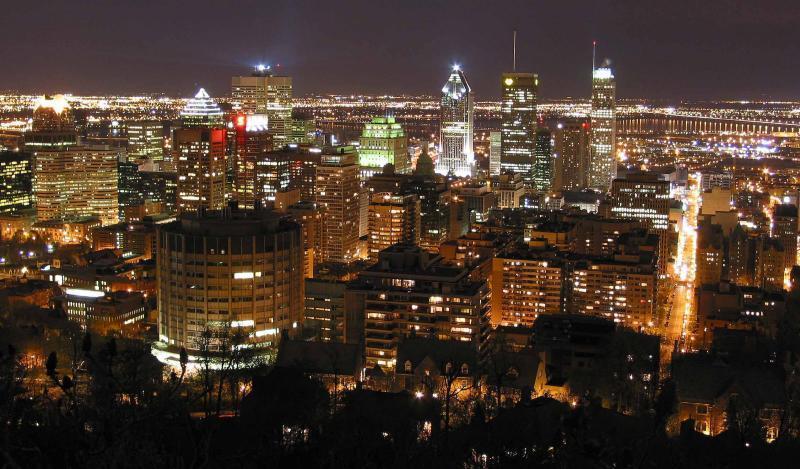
point(70, 180)
point(456, 126)
point(518, 124)
point(642, 196)
point(265, 93)
point(383, 142)
point(543, 160)
point(199, 152)
point(146, 140)
point(602, 160)
point(337, 194)
point(393, 218)
point(495, 149)
point(237, 269)
point(15, 181)
point(571, 154)
point(251, 144)
point(201, 111)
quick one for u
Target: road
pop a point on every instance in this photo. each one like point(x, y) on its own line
point(678, 323)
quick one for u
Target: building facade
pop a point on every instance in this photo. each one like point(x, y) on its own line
point(383, 142)
point(602, 156)
point(226, 271)
point(338, 197)
point(518, 124)
point(456, 127)
point(267, 94)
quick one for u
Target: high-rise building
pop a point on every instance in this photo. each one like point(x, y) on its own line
point(410, 292)
point(518, 124)
point(393, 218)
point(784, 227)
point(15, 181)
point(543, 160)
point(495, 150)
point(456, 126)
point(602, 156)
point(710, 258)
point(770, 264)
point(620, 290)
point(265, 93)
point(525, 283)
point(508, 189)
point(571, 154)
point(146, 140)
point(160, 187)
point(642, 196)
point(201, 111)
point(234, 270)
point(53, 125)
point(76, 182)
point(129, 186)
point(337, 195)
point(70, 180)
point(258, 174)
point(200, 160)
point(199, 154)
point(383, 142)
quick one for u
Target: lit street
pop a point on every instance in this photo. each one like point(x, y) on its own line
point(678, 323)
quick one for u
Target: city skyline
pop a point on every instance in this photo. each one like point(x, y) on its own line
point(652, 47)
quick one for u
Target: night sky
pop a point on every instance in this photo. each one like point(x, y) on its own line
point(673, 49)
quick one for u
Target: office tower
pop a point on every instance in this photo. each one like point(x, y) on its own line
point(495, 150)
point(201, 111)
point(258, 174)
point(525, 283)
point(200, 160)
point(324, 309)
point(337, 194)
point(146, 140)
point(70, 180)
point(236, 270)
point(602, 148)
point(76, 182)
point(622, 290)
point(784, 227)
point(160, 187)
point(15, 181)
point(304, 131)
point(508, 189)
point(383, 142)
point(518, 124)
point(265, 93)
point(434, 196)
point(53, 125)
point(571, 154)
point(129, 185)
point(456, 126)
point(393, 218)
point(642, 196)
point(410, 292)
point(543, 160)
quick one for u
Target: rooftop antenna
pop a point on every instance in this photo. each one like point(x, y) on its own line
point(514, 64)
point(594, 52)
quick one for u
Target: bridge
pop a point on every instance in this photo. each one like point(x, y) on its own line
point(654, 123)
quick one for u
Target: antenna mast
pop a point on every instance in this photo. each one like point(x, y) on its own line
point(594, 52)
point(514, 64)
